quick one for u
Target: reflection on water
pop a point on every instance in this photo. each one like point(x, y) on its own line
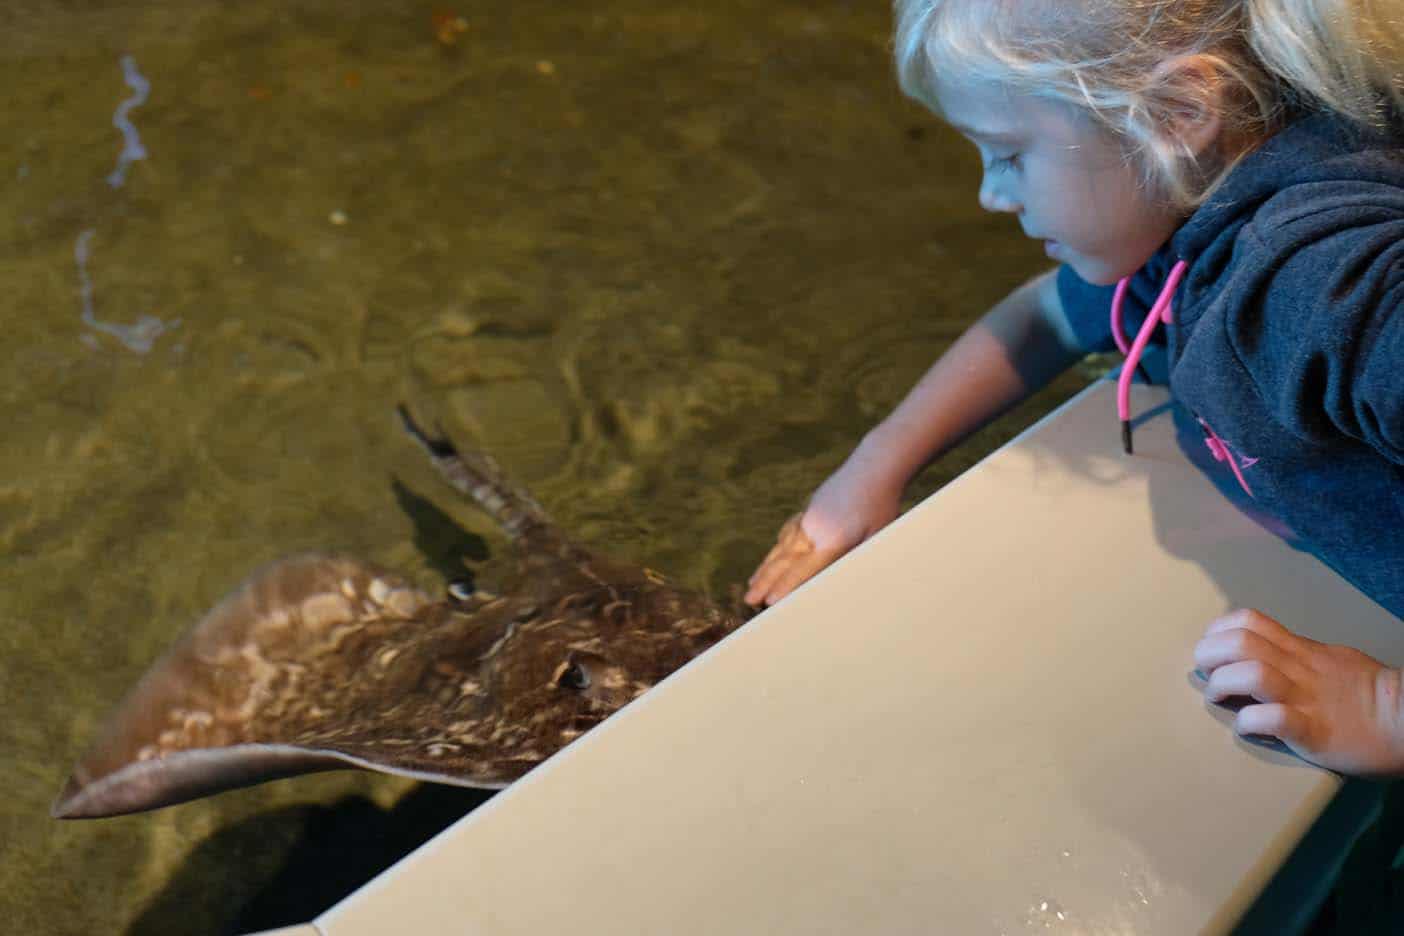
point(667, 261)
point(132, 149)
point(139, 336)
point(142, 334)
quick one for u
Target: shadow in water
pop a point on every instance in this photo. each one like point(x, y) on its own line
point(328, 852)
point(446, 545)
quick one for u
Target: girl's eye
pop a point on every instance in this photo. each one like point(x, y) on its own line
point(1003, 162)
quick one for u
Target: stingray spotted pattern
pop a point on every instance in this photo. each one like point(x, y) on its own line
point(318, 662)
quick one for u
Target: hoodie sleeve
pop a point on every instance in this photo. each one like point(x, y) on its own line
point(1325, 341)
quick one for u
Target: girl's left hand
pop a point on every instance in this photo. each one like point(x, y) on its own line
point(1332, 705)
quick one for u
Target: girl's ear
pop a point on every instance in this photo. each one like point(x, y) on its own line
point(1190, 91)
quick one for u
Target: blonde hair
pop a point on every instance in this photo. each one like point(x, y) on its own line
point(1108, 58)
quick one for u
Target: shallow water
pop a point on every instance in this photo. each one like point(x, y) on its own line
point(667, 261)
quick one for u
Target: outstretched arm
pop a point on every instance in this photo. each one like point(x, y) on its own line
point(1020, 344)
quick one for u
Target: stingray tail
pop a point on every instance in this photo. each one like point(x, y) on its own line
point(479, 476)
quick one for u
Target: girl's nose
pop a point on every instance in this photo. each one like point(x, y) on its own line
point(993, 199)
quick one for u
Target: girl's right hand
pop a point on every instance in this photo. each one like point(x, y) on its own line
point(846, 509)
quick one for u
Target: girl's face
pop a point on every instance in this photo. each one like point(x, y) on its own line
point(1068, 182)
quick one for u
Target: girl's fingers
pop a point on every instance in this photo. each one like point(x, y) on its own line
point(761, 583)
point(796, 574)
point(785, 542)
point(762, 589)
point(1232, 646)
point(1275, 720)
point(1251, 678)
point(791, 547)
point(1252, 620)
point(759, 576)
point(783, 577)
point(1266, 627)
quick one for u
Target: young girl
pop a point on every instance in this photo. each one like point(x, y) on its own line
point(1237, 167)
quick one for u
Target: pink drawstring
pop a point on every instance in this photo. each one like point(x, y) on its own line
point(1160, 312)
point(1118, 332)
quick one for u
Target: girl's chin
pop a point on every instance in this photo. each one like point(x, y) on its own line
point(1090, 271)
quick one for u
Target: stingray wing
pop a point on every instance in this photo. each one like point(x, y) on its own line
point(262, 687)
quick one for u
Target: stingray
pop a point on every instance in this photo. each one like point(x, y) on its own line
point(323, 662)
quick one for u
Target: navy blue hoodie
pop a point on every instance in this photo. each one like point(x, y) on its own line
point(1288, 337)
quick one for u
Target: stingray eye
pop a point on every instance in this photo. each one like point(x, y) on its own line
point(461, 590)
point(572, 675)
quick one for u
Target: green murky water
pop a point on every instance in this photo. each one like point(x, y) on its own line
point(666, 260)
